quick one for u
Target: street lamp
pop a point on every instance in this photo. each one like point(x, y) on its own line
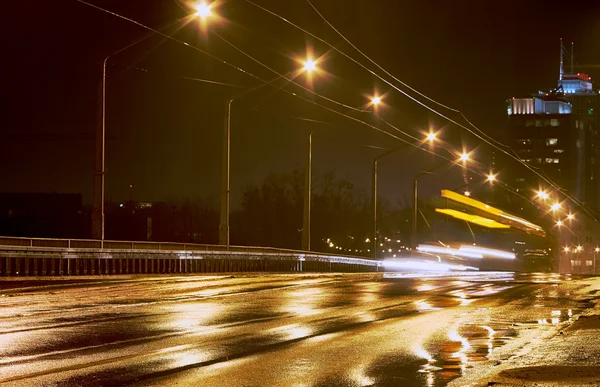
point(491, 178)
point(224, 224)
point(542, 195)
point(307, 198)
point(555, 207)
point(431, 136)
point(374, 188)
point(376, 100)
point(99, 163)
point(566, 249)
point(559, 223)
point(464, 157)
point(374, 193)
point(570, 216)
point(203, 10)
point(310, 65)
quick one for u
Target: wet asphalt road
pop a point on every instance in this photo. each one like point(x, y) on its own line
point(272, 330)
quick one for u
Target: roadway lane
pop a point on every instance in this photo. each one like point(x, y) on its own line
point(275, 330)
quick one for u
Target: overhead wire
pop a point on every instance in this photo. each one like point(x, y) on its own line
point(414, 145)
point(531, 168)
point(527, 166)
point(376, 64)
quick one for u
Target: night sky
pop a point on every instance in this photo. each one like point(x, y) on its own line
point(164, 131)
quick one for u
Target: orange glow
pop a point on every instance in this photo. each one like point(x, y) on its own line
point(489, 209)
point(479, 220)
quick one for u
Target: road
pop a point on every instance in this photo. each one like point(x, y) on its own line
point(274, 330)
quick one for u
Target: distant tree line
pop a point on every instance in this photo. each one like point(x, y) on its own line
point(270, 214)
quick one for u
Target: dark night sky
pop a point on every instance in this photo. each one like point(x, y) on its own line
point(164, 131)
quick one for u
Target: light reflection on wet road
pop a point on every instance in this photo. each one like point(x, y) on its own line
point(276, 330)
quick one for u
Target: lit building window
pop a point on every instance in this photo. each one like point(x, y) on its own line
point(554, 122)
point(551, 141)
point(524, 141)
point(538, 123)
point(560, 151)
point(550, 160)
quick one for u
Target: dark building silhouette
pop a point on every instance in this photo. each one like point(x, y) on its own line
point(44, 215)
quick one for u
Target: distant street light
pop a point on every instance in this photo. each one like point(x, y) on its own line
point(491, 178)
point(467, 193)
point(555, 207)
point(376, 100)
point(431, 136)
point(570, 216)
point(203, 10)
point(559, 223)
point(464, 156)
point(566, 249)
point(310, 65)
point(542, 195)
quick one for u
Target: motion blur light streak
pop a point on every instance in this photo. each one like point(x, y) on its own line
point(488, 252)
point(478, 220)
point(491, 210)
point(424, 266)
point(447, 250)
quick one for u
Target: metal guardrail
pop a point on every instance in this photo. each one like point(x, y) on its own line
point(42, 256)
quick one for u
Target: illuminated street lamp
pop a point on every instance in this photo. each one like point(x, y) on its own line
point(559, 223)
point(597, 249)
point(566, 249)
point(431, 136)
point(310, 65)
point(374, 187)
point(570, 216)
point(555, 207)
point(491, 178)
point(376, 100)
point(203, 10)
point(579, 248)
point(464, 157)
point(224, 222)
point(542, 195)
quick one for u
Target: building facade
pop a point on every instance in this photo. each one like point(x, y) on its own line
point(556, 133)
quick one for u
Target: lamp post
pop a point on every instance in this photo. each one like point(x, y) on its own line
point(307, 198)
point(224, 223)
point(99, 164)
point(374, 194)
point(203, 11)
point(464, 157)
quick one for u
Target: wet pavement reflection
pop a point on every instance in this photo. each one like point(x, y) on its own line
point(277, 330)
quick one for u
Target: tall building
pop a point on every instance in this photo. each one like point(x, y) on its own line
point(556, 132)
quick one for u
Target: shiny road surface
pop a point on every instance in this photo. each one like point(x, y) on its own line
point(272, 330)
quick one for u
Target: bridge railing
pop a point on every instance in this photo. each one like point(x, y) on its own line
point(48, 256)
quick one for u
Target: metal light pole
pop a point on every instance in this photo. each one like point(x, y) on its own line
point(99, 168)
point(307, 198)
point(464, 157)
point(224, 223)
point(374, 194)
point(415, 214)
